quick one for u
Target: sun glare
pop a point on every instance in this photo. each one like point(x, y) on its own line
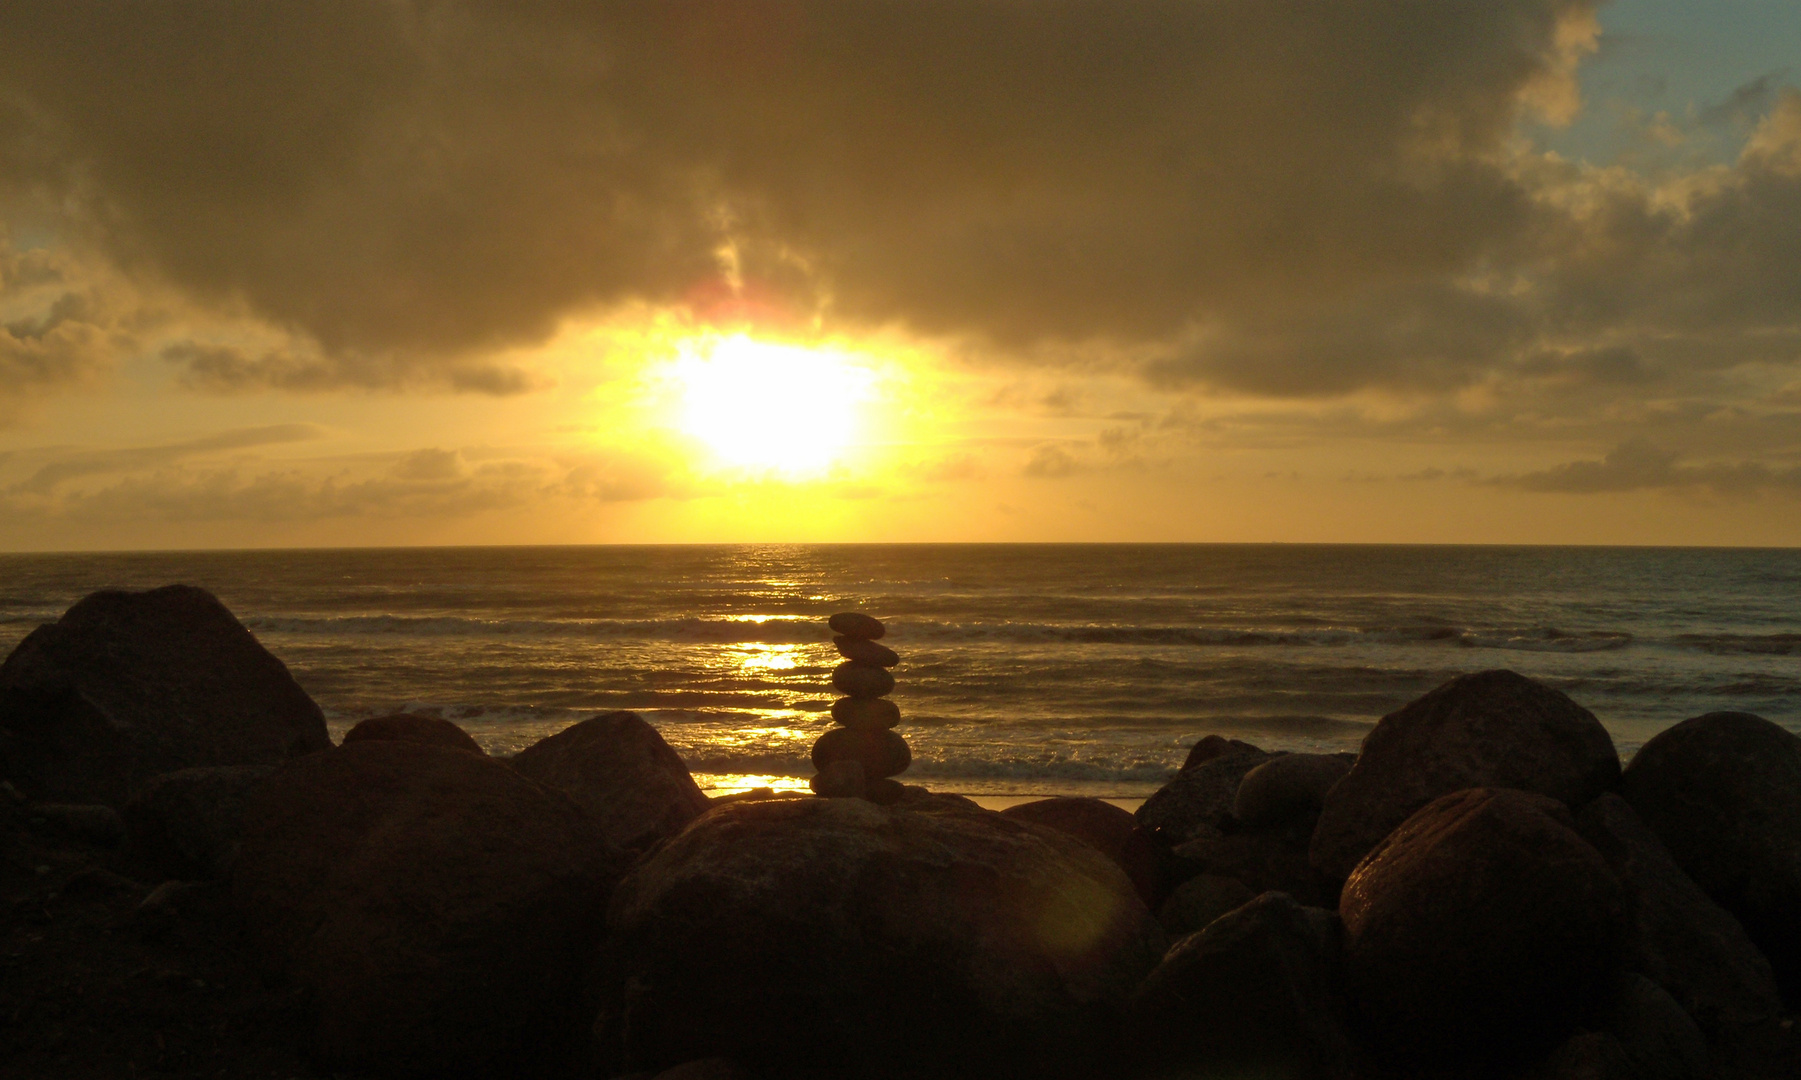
point(779, 408)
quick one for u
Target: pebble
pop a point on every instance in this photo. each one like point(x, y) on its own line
point(855, 624)
point(860, 680)
point(867, 651)
point(866, 712)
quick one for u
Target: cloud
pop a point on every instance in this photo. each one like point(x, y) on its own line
point(57, 329)
point(1638, 465)
point(76, 465)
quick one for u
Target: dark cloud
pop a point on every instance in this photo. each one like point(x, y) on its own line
point(1639, 465)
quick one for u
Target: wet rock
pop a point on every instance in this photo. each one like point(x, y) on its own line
point(866, 651)
point(89, 823)
point(1493, 729)
point(620, 770)
point(1200, 900)
point(1656, 1034)
point(1723, 792)
point(861, 680)
point(413, 727)
point(127, 685)
point(1112, 831)
point(866, 712)
point(1686, 943)
point(1483, 928)
point(437, 906)
point(843, 936)
point(1199, 797)
point(187, 824)
point(1213, 746)
point(855, 624)
point(883, 753)
point(1288, 787)
point(842, 779)
point(1251, 995)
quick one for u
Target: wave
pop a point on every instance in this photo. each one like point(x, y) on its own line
point(1546, 639)
point(1743, 644)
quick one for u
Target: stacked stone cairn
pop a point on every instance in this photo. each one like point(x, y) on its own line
point(860, 758)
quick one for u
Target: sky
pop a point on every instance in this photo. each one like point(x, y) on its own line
point(1410, 271)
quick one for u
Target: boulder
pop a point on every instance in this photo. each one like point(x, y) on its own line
point(866, 712)
point(1483, 928)
point(855, 624)
point(1264, 860)
point(861, 680)
point(1253, 994)
point(413, 727)
point(1656, 1034)
point(620, 770)
point(1200, 900)
point(866, 651)
point(436, 905)
point(188, 824)
point(127, 685)
point(91, 823)
point(1288, 787)
point(860, 940)
point(1587, 1055)
point(1112, 831)
point(1199, 797)
point(1686, 943)
point(882, 752)
point(1492, 729)
point(1723, 792)
point(1212, 746)
point(842, 779)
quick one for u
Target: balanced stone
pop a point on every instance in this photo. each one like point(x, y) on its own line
point(882, 752)
point(842, 779)
point(867, 651)
point(860, 680)
point(866, 712)
point(855, 624)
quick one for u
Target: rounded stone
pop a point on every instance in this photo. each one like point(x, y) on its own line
point(867, 651)
point(866, 712)
point(855, 624)
point(414, 728)
point(882, 752)
point(861, 680)
point(842, 779)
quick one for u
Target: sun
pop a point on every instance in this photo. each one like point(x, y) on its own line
point(770, 407)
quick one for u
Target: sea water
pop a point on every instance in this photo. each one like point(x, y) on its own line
point(1026, 669)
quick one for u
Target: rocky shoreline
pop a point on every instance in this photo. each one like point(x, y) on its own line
point(199, 884)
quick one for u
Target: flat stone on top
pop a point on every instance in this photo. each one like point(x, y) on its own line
point(855, 624)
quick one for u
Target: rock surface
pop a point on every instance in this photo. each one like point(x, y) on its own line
point(842, 779)
point(621, 771)
point(127, 685)
point(1212, 746)
point(855, 624)
point(437, 906)
point(1484, 927)
point(882, 752)
point(1200, 900)
point(413, 727)
point(860, 940)
point(188, 824)
point(1656, 1034)
point(866, 651)
point(1288, 787)
point(1199, 798)
point(1264, 860)
point(1492, 729)
point(860, 680)
point(866, 712)
point(1251, 995)
point(1723, 791)
point(1112, 831)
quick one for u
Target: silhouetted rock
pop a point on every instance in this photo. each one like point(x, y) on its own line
point(1251, 995)
point(861, 680)
point(882, 752)
point(1199, 797)
point(187, 824)
point(836, 935)
point(437, 905)
point(1482, 928)
point(855, 624)
point(841, 779)
point(1112, 831)
point(1656, 1034)
point(1288, 787)
point(415, 728)
point(1264, 860)
point(866, 712)
point(1586, 1055)
point(1686, 943)
point(127, 685)
point(1723, 792)
point(714, 1068)
point(1200, 900)
point(866, 651)
point(91, 823)
point(620, 770)
point(1212, 746)
point(1492, 729)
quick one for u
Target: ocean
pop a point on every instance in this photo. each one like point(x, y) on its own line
point(1025, 669)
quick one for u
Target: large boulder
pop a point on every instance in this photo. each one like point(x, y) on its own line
point(1112, 831)
point(862, 940)
point(1686, 943)
point(127, 685)
point(620, 770)
point(1264, 860)
point(1484, 927)
point(437, 905)
point(188, 824)
point(1723, 791)
point(1253, 994)
point(1198, 799)
point(417, 728)
point(1288, 787)
point(1492, 729)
